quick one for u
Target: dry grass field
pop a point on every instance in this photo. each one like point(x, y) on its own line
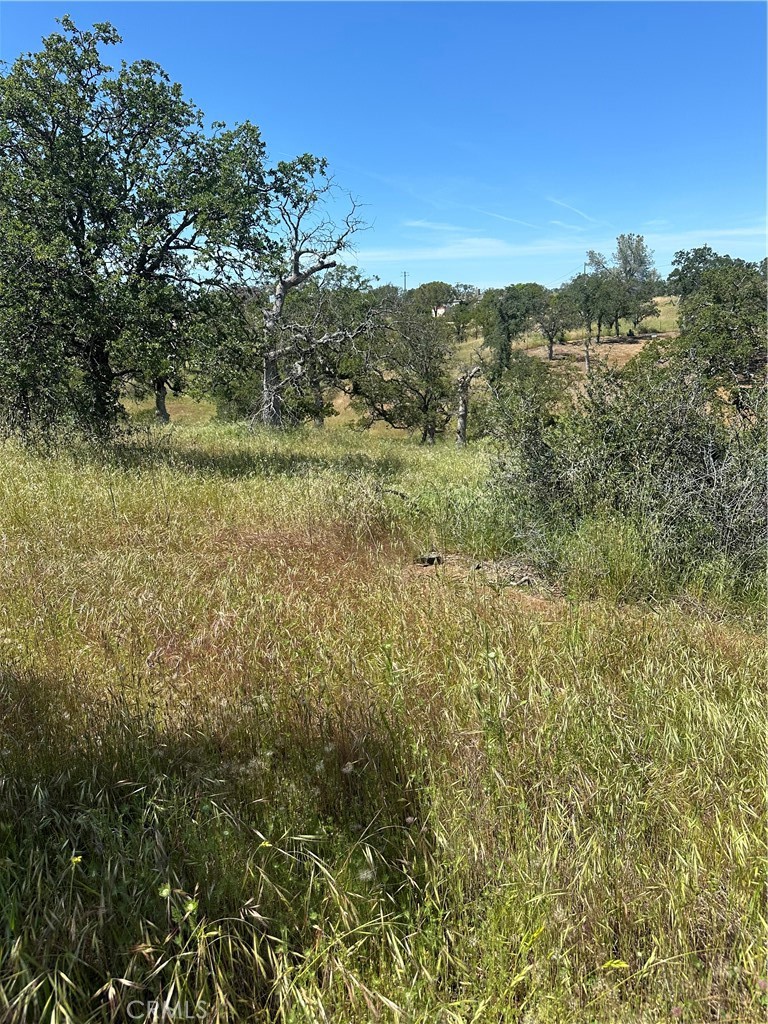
point(255, 761)
point(614, 351)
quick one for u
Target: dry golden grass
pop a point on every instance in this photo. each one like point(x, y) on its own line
point(615, 352)
point(255, 760)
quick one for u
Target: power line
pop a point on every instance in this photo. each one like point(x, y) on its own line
point(567, 277)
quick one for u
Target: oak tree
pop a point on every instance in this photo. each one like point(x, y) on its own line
point(113, 201)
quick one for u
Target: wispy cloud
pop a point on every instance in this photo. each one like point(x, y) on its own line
point(747, 242)
point(573, 209)
point(701, 236)
point(559, 248)
point(570, 227)
point(469, 248)
point(501, 216)
point(431, 225)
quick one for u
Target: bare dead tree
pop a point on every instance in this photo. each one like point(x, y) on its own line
point(463, 386)
point(308, 241)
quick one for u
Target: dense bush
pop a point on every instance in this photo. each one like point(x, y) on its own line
point(652, 447)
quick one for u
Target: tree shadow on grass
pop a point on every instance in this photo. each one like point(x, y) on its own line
point(346, 761)
point(117, 828)
point(138, 453)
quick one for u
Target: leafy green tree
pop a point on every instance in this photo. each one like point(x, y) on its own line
point(624, 286)
point(404, 378)
point(434, 296)
point(617, 299)
point(637, 279)
point(387, 295)
point(722, 321)
point(112, 198)
point(506, 314)
point(723, 324)
point(556, 315)
point(463, 310)
point(688, 268)
point(591, 295)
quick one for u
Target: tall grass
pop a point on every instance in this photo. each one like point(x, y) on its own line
point(257, 766)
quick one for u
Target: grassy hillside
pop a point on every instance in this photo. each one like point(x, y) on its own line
point(614, 351)
point(256, 760)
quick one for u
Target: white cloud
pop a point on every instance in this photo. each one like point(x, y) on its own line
point(468, 249)
point(573, 209)
point(570, 227)
point(552, 257)
point(501, 216)
point(430, 225)
point(705, 236)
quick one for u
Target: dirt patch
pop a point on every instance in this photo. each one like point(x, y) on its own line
point(503, 575)
point(616, 352)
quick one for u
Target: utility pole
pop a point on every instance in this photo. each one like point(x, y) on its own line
point(405, 281)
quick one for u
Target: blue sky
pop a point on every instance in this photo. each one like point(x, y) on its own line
point(490, 143)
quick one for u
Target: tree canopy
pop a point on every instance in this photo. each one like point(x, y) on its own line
point(113, 202)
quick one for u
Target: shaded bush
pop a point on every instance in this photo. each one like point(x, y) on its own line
point(653, 448)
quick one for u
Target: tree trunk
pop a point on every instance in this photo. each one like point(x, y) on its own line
point(464, 384)
point(161, 391)
point(103, 399)
point(21, 412)
point(318, 414)
point(587, 344)
point(461, 418)
point(550, 347)
point(271, 403)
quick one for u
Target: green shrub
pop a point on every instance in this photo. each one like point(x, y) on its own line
point(650, 450)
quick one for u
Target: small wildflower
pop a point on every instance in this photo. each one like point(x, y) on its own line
point(366, 875)
point(264, 844)
point(164, 891)
point(410, 820)
point(762, 984)
point(75, 860)
point(677, 1012)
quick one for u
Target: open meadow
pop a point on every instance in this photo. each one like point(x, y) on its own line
point(382, 514)
point(256, 761)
